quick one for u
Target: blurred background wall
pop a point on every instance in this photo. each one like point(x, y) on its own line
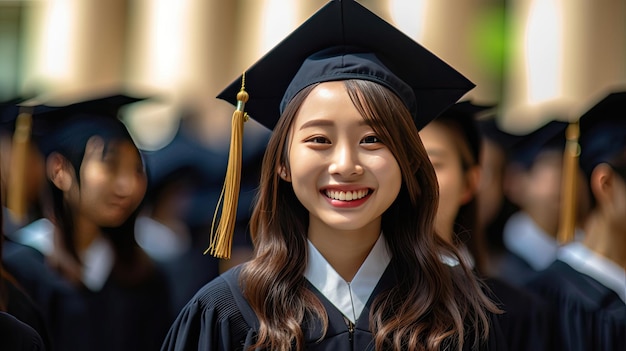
point(537, 59)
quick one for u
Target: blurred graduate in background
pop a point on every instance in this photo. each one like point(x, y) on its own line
point(96, 287)
point(453, 144)
point(587, 282)
point(533, 182)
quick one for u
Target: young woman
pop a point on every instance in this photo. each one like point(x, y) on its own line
point(97, 289)
point(345, 255)
point(453, 144)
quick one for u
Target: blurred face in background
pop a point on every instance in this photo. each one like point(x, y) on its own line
point(537, 190)
point(457, 183)
point(113, 182)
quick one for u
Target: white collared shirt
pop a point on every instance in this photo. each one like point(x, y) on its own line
point(587, 262)
point(97, 259)
point(524, 238)
point(348, 297)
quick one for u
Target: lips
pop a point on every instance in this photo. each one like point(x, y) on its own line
point(347, 195)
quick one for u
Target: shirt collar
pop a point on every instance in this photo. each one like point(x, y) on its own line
point(587, 262)
point(524, 238)
point(98, 262)
point(348, 297)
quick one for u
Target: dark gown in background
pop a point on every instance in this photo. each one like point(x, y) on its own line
point(22, 307)
point(121, 316)
point(589, 315)
point(219, 318)
point(527, 322)
point(16, 335)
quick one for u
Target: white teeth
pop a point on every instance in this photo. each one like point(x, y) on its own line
point(346, 195)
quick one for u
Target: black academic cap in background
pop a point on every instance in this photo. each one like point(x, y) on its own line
point(603, 133)
point(63, 124)
point(550, 136)
point(490, 130)
point(344, 40)
point(464, 115)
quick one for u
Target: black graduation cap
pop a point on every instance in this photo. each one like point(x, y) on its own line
point(341, 41)
point(603, 132)
point(59, 125)
point(344, 40)
point(490, 130)
point(464, 115)
point(550, 136)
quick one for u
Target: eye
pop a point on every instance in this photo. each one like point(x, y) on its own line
point(318, 140)
point(371, 139)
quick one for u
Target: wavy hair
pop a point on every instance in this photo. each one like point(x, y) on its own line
point(432, 306)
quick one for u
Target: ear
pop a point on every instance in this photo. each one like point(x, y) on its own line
point(601, 183)
point(472, 179)
point(59, 171)
point(284, 174)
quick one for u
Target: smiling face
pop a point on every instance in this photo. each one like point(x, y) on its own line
point(340, 170)
point(112, 182)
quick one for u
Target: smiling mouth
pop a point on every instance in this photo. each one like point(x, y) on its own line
point(346, 195)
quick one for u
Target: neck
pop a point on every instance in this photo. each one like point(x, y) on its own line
point(85, 233)
point(605, 240)
point(345, 251)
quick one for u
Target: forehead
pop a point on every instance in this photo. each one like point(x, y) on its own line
point(329, 103)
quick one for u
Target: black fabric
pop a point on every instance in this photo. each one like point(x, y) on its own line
point(513, 269)
point(425, 83)
point(219, 318)
point(527, 322)
point(589, 316)
point(20, 305)
point(118, 317)
point(18, 336)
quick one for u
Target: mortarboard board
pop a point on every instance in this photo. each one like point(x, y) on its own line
point(63, 125)
point(490, 130)
point(344, 40)
point(603, 132)
point(341, 41)
point(550, 136)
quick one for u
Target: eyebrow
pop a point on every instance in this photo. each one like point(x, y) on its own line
point(324, 123)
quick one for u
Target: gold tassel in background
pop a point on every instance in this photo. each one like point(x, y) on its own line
point(221, 239)
point(16, 192)
point(567, 220)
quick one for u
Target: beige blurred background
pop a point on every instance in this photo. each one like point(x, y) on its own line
point(537, 59)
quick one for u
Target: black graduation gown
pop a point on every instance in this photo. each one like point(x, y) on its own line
point(117, 317)
point(219, 318)
point(20, 306)
point(18, 336)
point(588, 314)
point(527, 322)
point(613, 328)
point(512, 269)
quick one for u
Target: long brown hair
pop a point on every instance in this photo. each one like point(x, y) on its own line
point(430, 305)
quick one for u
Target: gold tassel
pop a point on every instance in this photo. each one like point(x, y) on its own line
point(567, 220)
point(221, 240)
point(16, 194)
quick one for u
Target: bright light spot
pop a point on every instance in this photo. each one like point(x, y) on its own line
point(409, 17)
point(544, 50)
point(278, 22)
point(167, 40)
point(58, 36)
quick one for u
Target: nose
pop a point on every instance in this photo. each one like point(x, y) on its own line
point(128, 183)
point(345, 161)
